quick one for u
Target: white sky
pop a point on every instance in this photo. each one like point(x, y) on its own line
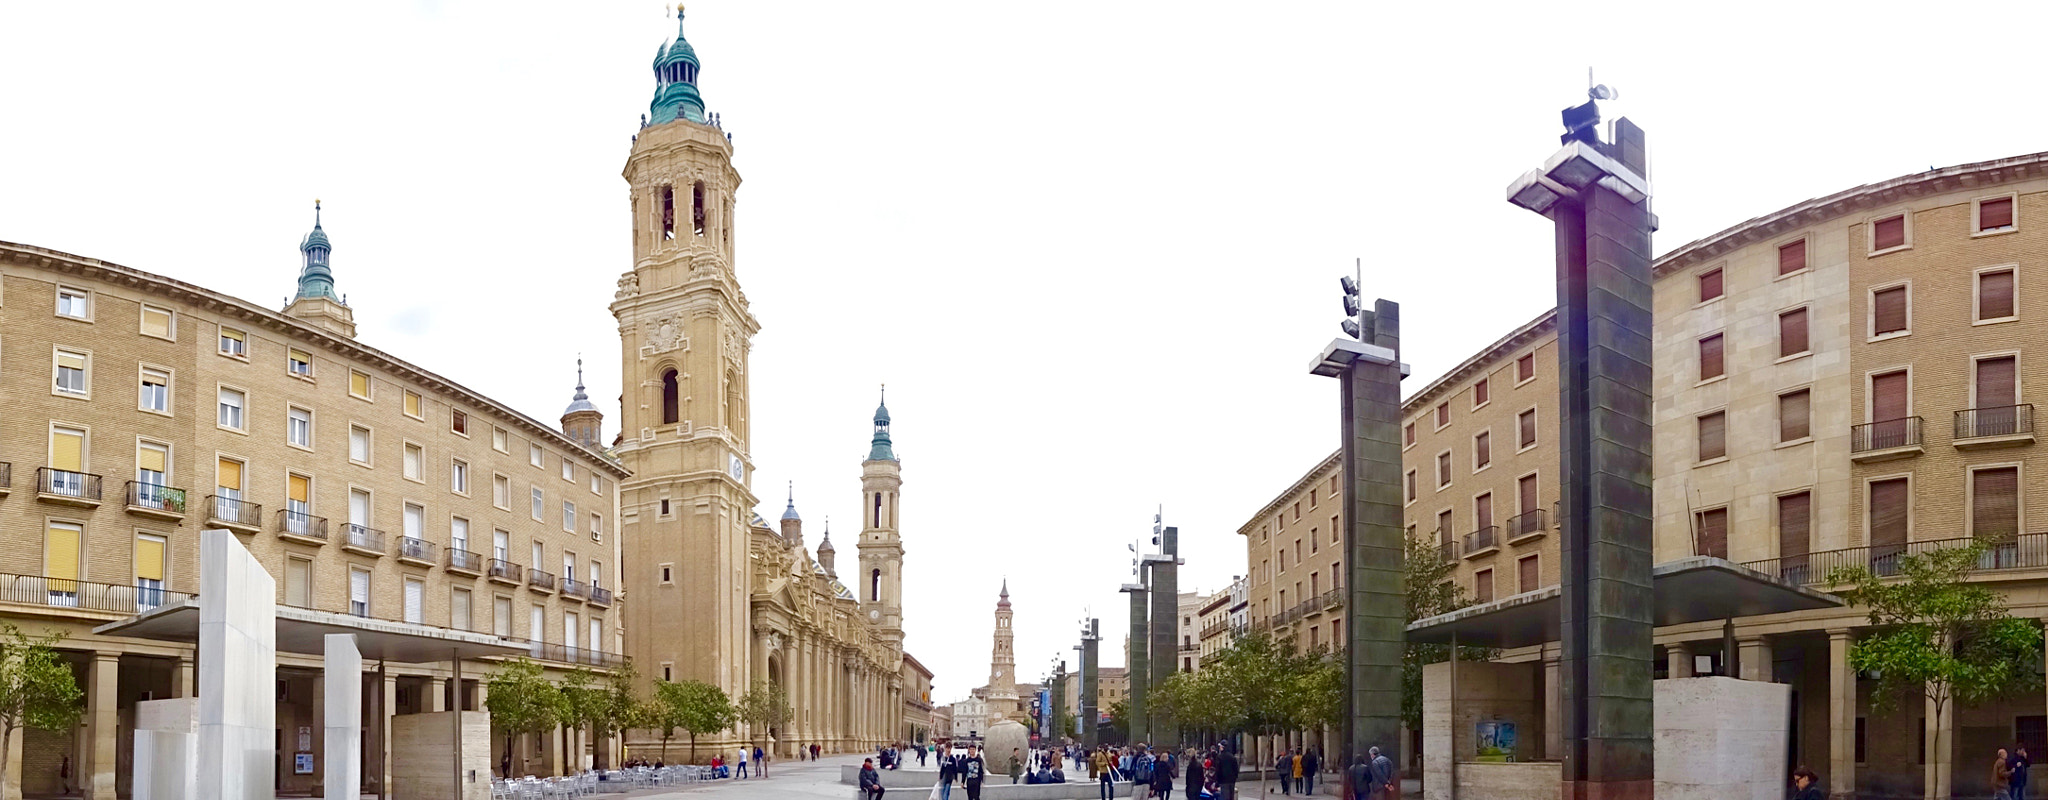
point(1090, 246)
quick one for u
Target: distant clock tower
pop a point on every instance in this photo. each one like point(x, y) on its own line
point(1002, 664)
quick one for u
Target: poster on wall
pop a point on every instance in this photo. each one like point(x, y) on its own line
point(1495, 741)
point(302, 763)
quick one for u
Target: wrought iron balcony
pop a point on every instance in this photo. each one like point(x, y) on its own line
point(1482, 541)
point(66, 593)
point(152, 500)
point(2025, 551)
point(6, 477)
point(600, 596)
point(1983, 427)
point(68, 488)
point(1447, 550)
point(503, 571)
point(568, 654)
point(573, 588)
point(363, 539)
point(540, 580)
point(1529, 525)
point(233, 513)
point(302, 526)
point(465, 561)
point(1892, 438)
point(416, 551)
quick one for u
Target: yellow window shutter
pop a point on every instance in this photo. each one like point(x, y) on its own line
point(149, 558)
point(230, 474)
point(60, 554)
point(231, 335)
point(358, 384)
point(301, 355)
point(70, 360)
point(152, 459)
point(412, 404)
point(67, 450)
point(156, 322)
point(301, 488)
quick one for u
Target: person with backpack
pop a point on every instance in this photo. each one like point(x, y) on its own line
point(972, 770)
point(1141, 774)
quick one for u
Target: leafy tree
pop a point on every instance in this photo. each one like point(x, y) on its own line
point(1119, 718)
point(1934, 633)
point(521, 701)
point(606, 705)
point(1319, 685)
point(765, 707)
point(37, 689)
point(1251, 687)
point(694, 706)
point(1431, 590)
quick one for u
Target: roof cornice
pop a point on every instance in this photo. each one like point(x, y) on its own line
point(251, 314)
point(1328, 463)
point(1521, 337)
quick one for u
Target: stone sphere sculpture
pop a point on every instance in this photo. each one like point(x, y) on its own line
point(1004, 737)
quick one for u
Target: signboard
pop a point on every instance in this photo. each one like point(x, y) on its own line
point(1495, 741)
point(305, 737)
point(302, 763)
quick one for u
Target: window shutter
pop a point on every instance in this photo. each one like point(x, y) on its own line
point(1714, 533)
point(1713, 442)
point(1710, 285)
point(1710, 357)
point(230, 474)
point(1994, 214)
point(1443, 469)
point(1794, 415)
point(359, 586)
point(1891, 232)
point(1479, 393)
point(1443, 526)
point(67, 450)
point(302, 356)
point(1793, 525)
point(1792, 333)
point(1525, 367)
point(70, 360)
point(1526, 494)
point(1443, 414)
point(1888, 397)
point(1530, 574)
point(298, 582)
point(1482, 510)
point(152, 459)
point(1482, 585)
point(1994, 295)
point(1483, 449)
point(1408, 434)
point(1411, 485)
point(1528, 425)
point(1792, 257)
point(1890, 311)
point(412, 404)
point(1994, 503)
point(458, 610)
point(60, 555)
point(300, 488)
point(1888, 511)
point(156, 322)
point(358, 384)
point(149, 559)
point(232, 336)
point(415, 596)
point(1995, 382)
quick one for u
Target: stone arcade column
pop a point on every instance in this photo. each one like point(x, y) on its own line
point(1678, 660)
point(103, 683)
point(1841, 777)
point(1755, 658)
point(1553, 702)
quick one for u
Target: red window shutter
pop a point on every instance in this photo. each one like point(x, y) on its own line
point(1994, 295)
point(1710, 285)
point(1411, 485)
point(1792, 333)
point(1525, 367)
point(1888, 397)
point(1995, 378)
point(1482, 511)
point(1482, 449)
point(1890, 233)
point(1794, 525)
point(1527, 422)
point(1889, 311)
point(1713, 435)
point(1443, 469)
point(1530, 574)
point(1443, 414)
point(1710, 357)
point(1995, 503)
point(1994, 214)
point(1408, 434)
point(1888, 512)
point(1794, 415)
point(1443, 525)
point(1792, 257)
point(1479, 393)
point(1713, 533)
point(1525, 492)
point(1482, 585)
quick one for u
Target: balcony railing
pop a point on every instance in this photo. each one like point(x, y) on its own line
point(419, 550)
point(57, 483)
point(302, 525)
point(503, 570)
point(2028, 550)
point(574, 655)
point(36, 590)
point(465, 561)
point(1447, 550)
point(6, 477)
point(151, 498)
point(1333, 598)
point(1528, 524)
point(573, 588)
point(540, 579)
point(600, 596)
point(366, 539)
point(1979, 423)
point(1479, 541)
point(1887, 435)
point(230, 511)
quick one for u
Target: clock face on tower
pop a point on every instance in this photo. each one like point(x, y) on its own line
point(739, 469)
point(999, 673)
point(877, 614)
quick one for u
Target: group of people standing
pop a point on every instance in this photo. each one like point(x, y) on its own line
point(1152, 774)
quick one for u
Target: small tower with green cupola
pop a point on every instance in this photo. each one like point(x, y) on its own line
point(881, 541)
point(316, 302)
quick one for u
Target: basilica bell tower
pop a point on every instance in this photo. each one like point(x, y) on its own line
point(881, 541)
point(684, 331)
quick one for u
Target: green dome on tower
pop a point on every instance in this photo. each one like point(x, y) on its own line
point(675, 77)
point(882, 450)
point(316, 278)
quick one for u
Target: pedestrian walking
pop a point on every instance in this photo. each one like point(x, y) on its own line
point(1806, 785)
point(947, 773)
point(2001, 776)
point(1016, 764)
point(870, 780)
point(1309, 764)
point(1383, 776)
point(1294, 765)
point(1194, 783)
point(742, 771)
point(761, 761)
point(921, 751)
point(1103, 765)
point(1226, 774)
point(972, 770)
point(1283, 771)
point(2020, 762)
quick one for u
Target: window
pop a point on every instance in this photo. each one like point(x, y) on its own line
point(1712, 436)
point(1409, 486)
point(500, 440)
point(1890, 519)
point(539, 554)
point(671, 395)
point(596, 483)
point(1482, 451)
point(1336, 534)
point(501, 491)
point(1791, 257)
point(228, 485)
point(71, 373)
point(1313, 540)
point(297, 502)
point(1443, 469)
point(534, 455)
point(298, 582)
point(231, 402)
point(1711, 533)
point(358, 592)
point(415, 462)
point(1710, 357)
point(539, 501)
point(152, 474)
point(568, 470)
point(1313, 497)
point(157, 322)
point(1482, 586)
point(298, 427)
point(568, 516)
point(596, 528)
point(1995, 504)
point(413, 405)
point(668, 573)
point(1890, 311)
point(458, 609)
point(1794, 534)
point(1531, 578)
point(1525, 505)
point(67, 459)
point(501, 617)
point(156, 391)
point(1888, 233)
point(668, 216)
point(458, 534)
point(359, 384)
point(415, 521)
point(1995, 295)
point(501, 545)
point(1996, 387)
point(1710, 287)
point(1792, 333)
point(1890, 396)
point(1443, 414)
point(299, 362)
point(1408, 435)
point(233, 343)
point(458, 476)
point(1482, 512)
point(415, 597)
point(1525, 368)
point(74, 303)
point(359, 444)
point(1525, 426)
point(1444, 525)
point(1794, 415)
point(1994, 214)
point(458, 423)
point(1480, 393)
point(61, 541)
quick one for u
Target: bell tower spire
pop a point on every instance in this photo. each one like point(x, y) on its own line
point(881, 541)
point(316, 301)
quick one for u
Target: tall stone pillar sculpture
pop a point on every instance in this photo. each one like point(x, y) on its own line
point(237, 671)
point(342, 750)
point(1163, 568)
point(1597, 195)
point(1091, 637)
point(1138, 659)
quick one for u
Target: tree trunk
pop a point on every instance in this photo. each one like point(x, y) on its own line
point(6, 746)
point(664, 747)
point(693, 747)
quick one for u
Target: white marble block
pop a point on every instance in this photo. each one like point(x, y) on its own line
point(237, 672)
point(343, 707)
point(165, 740)
point(423, 748)
point(1722, 738)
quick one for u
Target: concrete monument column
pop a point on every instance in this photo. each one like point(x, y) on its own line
point(1841, 777)
point(103, 683)
point(238, 646)
point(341, 699)
point(1755, 658)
